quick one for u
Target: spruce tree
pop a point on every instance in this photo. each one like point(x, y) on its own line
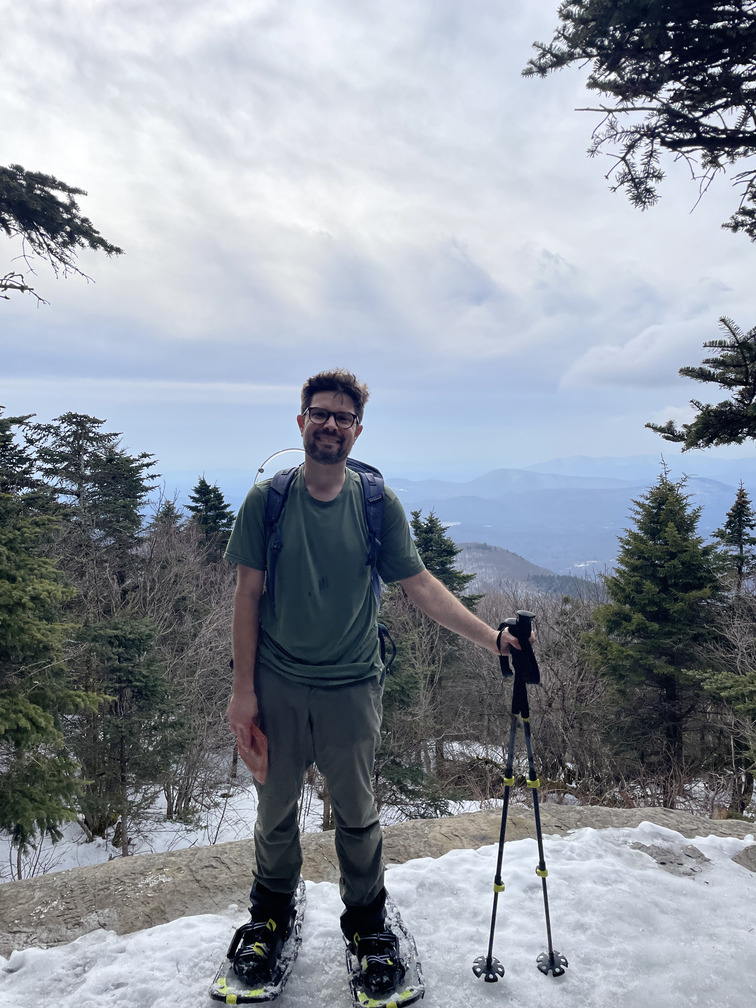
point(38, 776)
point(42, 211)
point(737, 540)
point(128, 745)
point(733, 368)
point(101, 491)
point(649, 636)
point(675, 77)
point(438, 552)
point(213, 516)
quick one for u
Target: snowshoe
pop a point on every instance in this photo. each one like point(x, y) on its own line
point(260, 958)
point(384, 969)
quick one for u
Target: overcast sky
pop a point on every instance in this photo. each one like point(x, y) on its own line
point(312, 183)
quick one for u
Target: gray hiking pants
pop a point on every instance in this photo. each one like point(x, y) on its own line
point(339, 729)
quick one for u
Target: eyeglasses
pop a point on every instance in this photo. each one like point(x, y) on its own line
point(319, 416)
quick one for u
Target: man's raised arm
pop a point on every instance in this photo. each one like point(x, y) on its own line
point(435, 600)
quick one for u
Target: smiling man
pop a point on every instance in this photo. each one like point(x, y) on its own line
point(308, 671)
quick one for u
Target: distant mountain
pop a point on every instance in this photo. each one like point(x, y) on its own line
point(495, 567)
point(564, 516)
point(565, 523)
point(646, 468)
point(497, 484)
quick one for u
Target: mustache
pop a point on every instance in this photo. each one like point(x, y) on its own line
point(319, 434)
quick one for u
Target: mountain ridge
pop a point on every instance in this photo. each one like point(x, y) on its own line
point(566, 522)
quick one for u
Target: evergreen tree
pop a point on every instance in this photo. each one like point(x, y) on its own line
point(16, 460)
point(43, 212)
point(737, 540)
point(649, 636)
point(167, 517)
point(127, 745)
point(38, 777)
point(213, 516)
point(101, 491)
point(733, 420)
point(438, 552)
point(677, 77)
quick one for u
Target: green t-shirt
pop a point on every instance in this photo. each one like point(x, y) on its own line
point(323, 628)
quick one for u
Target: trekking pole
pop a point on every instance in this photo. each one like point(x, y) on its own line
point(526, 671)
point(488, 966)
point(525, 663)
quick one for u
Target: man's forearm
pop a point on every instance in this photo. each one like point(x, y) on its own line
point(245, 634)
point(437, 602)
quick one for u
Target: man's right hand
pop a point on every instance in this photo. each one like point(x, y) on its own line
point(242, 713)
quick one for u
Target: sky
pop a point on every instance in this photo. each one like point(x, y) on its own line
point(635, 934)
point(375, 186)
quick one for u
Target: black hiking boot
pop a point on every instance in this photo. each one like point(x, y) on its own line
point(255, 950)
point(382, 967)
point(374, 945)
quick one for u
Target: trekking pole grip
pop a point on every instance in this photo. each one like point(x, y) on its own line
point(525, 660)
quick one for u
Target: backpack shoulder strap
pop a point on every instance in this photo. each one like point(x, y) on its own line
point(278, 491)
point(373, 500)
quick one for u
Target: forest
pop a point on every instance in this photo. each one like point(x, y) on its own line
point(115, 640)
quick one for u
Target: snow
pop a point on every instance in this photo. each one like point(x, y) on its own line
point(225, 819)
point(636, 933)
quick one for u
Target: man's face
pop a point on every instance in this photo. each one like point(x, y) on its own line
point(328, 443)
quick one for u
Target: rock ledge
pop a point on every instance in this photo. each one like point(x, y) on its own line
point(128, 894)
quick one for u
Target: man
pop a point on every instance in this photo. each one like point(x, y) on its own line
point(307, 669)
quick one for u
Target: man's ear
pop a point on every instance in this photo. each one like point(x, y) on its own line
point(301, 423)
point(357, 431)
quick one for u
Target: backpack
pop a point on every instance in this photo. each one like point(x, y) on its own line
point(372, 484)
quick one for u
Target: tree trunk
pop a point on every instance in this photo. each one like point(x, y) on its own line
point(235, 762)
point(674, 743)
point(440, 756)
point(124, 790)
point(325, 794)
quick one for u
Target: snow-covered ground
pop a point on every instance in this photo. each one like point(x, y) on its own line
point(636, 935)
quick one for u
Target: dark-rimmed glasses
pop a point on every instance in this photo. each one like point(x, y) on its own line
point(318, 415)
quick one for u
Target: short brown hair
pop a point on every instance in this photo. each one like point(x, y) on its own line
point(340, 381)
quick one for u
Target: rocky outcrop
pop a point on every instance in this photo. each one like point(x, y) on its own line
point(128, 894)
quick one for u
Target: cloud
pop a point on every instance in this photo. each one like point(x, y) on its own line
point(244, 159)
point(651, 358)
point(96, 392)
point(322, 182)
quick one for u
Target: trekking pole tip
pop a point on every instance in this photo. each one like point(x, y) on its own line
point(488, 968)
point(552, 962)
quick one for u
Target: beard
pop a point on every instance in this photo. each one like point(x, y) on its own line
point(326, 453)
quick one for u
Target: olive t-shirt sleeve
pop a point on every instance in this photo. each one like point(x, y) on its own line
point(399, 558)
point(246, 544)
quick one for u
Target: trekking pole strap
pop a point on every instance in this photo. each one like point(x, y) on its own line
point(506, 668)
